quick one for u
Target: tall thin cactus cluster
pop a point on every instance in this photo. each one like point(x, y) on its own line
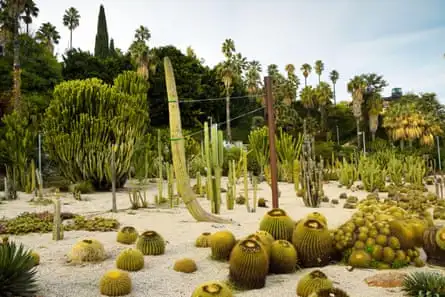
point(311, 173)
point(214, 155)
point(231, 186)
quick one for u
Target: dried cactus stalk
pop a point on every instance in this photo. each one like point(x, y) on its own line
point(178, 152)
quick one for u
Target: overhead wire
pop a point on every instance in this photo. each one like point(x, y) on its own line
point(225, 122)
point(216, 99)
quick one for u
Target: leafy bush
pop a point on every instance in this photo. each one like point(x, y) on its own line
point(17, 272)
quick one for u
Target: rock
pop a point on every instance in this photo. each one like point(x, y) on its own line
point(386, 280)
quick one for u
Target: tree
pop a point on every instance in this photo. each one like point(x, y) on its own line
point(101, 48)
point(141, 53)
point(290, 86)
point(71, 20)
point(306, 69)
point(319, 68)
point(31, 11)
point(78, 64)
point(356, 87)
point(334, 76)
point(48, 35)
point(253, 78)
point(232, 67)
point(375, 107)
point(323, 94)
point(308, 98)
point(112, 49)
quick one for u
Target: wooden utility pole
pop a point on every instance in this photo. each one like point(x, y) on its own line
point(273, 152)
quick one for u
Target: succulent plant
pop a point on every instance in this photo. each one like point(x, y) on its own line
point(221, 244)
point(36, 258)
point(278, 224)
point(17, 272)
point(212, 289)
point(185, 265)
point(203, 240)
point(331, 292)
point(115, 283)
point(424, 283)
point(312, 282)
point(127, 235)
point(283, 257)
point(87, 250)
point(248, 265)
point(151, 243)
point(130, 260)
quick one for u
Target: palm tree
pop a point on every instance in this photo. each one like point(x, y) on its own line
point(375, 107)
point(356, 87)
point(31, 11)
point(145, 59)
point(71, 20)
point(253, 77)
point(306, 69)
point(190, 52)
point(323, 95)
point(290, 86)
point(48, 35)
point(319, 68)
point(308, 98)
point(230, 68)
point(334, 76)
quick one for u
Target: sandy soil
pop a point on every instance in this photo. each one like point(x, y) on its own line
point(158, 279)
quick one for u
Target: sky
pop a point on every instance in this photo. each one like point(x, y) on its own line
point(403, 40)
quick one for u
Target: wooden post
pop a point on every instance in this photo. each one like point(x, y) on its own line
point(273, 153)
point(57, 223)
point(113, 178)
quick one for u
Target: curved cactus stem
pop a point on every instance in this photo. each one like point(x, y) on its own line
point(178, 153)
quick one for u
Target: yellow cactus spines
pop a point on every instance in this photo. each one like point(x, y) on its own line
point(313, 242)
point(130, 260)
point(283, 257)
point(278, 224)
point(332, 292)
point(440, 238)
point(263, 241)
point(185, 265)
point(127, 235)
point(212, 289)
point(203, 240)
point(265, 236)
point(115, 283)
point(313, 282)
point(318, 216)
point(151, 243)
point(221, 244)
point(248, 265)
point(36, 258)
point(87, 250)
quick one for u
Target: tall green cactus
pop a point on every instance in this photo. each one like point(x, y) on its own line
point(245, 179)
point(160, 181)
point(86, 117)
point(208, 159)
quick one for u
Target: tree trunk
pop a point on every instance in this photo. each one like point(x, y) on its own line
point(178, 153)
point(335, 97)
point(16, 64)
point(373, 136)
point(229, 132)
point(71, 39)
point(27, 29)
point(359, 144)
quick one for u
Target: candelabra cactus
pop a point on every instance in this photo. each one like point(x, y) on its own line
point(178, 152)
point(311, 173)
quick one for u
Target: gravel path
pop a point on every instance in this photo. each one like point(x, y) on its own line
point(158, 279)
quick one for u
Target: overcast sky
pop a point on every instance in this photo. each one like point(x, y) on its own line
point(404, 40)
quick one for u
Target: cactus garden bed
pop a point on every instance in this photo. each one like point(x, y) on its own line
point(165, 261)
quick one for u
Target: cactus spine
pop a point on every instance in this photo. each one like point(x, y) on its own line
point(312, 173)
point(178, 152)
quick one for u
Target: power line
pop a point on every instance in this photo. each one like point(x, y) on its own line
point(225, 122)
point(216, 99)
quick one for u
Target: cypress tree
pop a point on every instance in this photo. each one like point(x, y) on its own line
point(101, 48)
point(112, 50)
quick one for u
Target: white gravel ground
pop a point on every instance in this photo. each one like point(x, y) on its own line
point(158, 279)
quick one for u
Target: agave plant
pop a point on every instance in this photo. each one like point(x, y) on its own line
point(424, 284)
point(17, 272)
